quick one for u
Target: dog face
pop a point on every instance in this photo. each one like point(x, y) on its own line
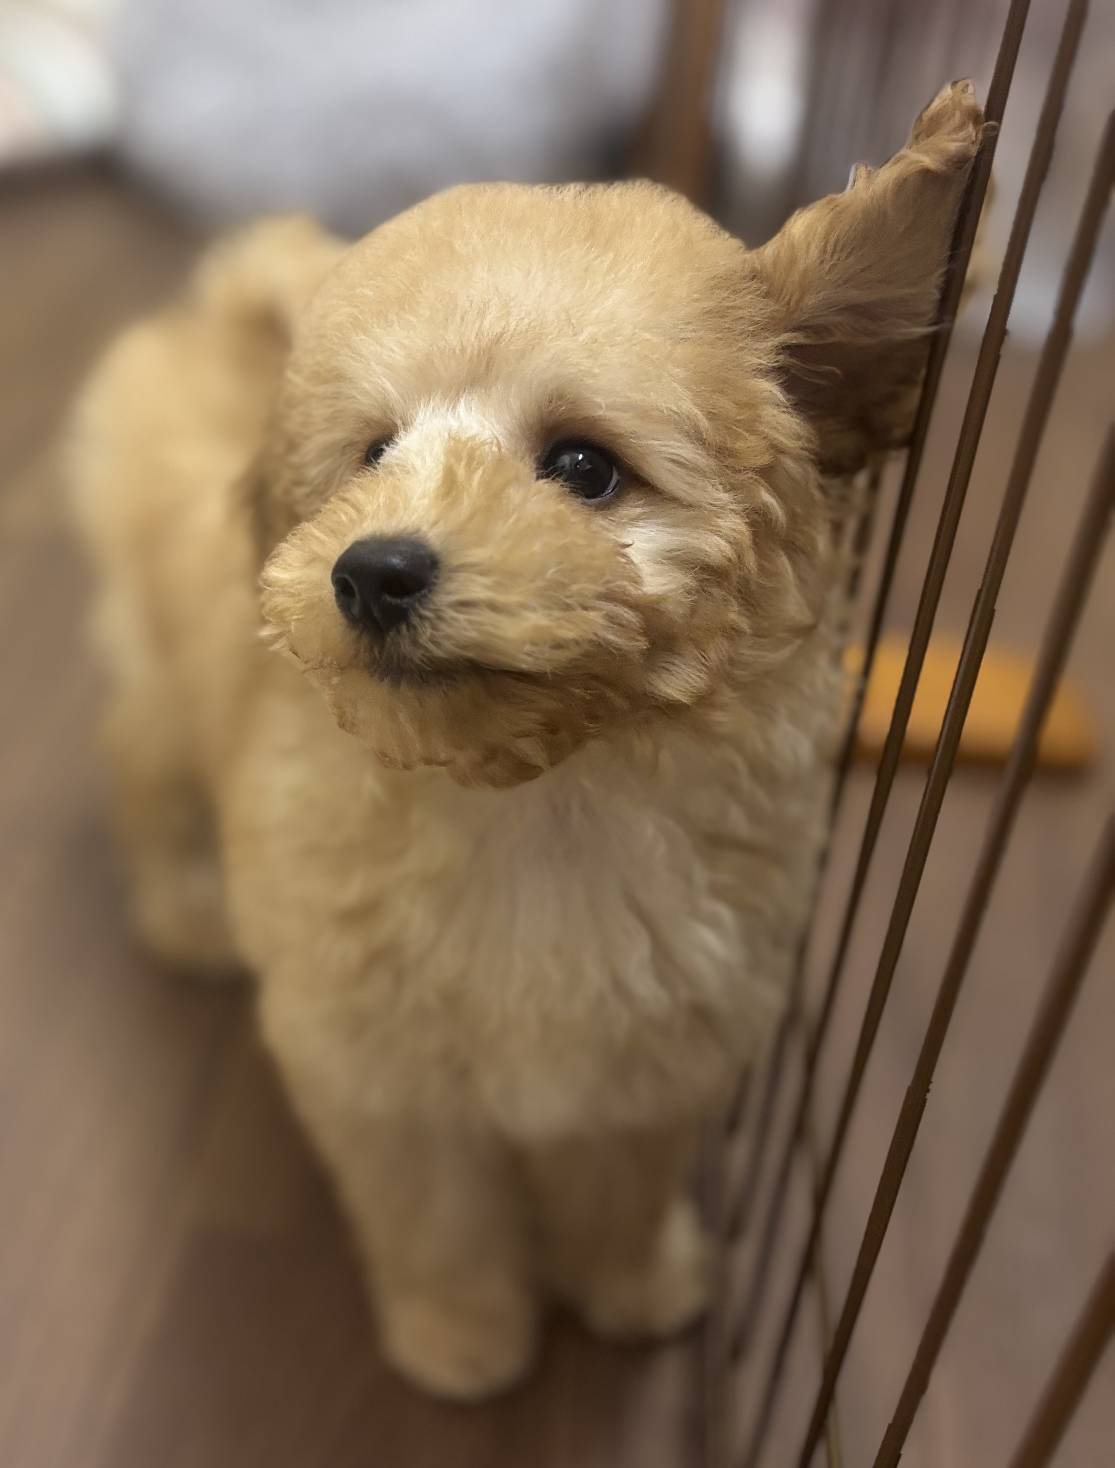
point(546, 462)
point(522, 470)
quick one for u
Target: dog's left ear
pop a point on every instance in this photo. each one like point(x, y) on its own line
point(854, 281)
point(264, 274)
point(259, 281)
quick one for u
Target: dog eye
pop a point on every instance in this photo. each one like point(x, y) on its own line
point(584, 468)
point(376, 450)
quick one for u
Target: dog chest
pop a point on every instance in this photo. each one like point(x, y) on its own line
point(595, 939)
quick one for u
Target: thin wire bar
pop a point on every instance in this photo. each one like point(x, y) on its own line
point(834, 1451)
point(709, 1447)
point(737, 1106)
point(1052, 1016)
point(983, 380)
point(1030, 436)
point(1072, 1374)
point(864, 531)
point(963, 239)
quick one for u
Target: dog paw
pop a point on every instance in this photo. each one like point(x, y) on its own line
point(949, 131)
point(461, 1354)
point(660, 1299)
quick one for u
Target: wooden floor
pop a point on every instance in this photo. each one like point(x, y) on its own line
point(175, 1285)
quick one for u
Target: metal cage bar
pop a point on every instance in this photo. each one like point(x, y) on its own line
point(748, 1134)
point(1036, 415)
point(975, 644)
point(952, 289)
point(1073, 1372)
point(979, 398)
point(834, 1455)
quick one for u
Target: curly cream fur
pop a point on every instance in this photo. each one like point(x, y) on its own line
point(522, 903)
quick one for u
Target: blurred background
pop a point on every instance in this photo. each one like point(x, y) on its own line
point(175, 1285)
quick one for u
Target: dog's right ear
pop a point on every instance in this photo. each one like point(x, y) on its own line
point(854, 280)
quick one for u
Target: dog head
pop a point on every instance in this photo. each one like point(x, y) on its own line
point(547, 461)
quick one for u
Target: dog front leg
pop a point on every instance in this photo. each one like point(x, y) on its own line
point(438, 1226)
point(621, 1238)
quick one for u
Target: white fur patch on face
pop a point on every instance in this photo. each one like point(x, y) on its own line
point(676, 552)
point(431, 433)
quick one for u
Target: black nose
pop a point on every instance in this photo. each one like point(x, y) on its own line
point(379, 581)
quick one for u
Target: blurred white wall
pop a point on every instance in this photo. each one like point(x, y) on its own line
point(354, 109)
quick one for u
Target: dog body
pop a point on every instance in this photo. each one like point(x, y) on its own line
point(518, 832)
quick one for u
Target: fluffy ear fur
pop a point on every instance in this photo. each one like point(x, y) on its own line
point(854, 280)
point(256, 284)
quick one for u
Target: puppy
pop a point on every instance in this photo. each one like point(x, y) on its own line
point(533, 492)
